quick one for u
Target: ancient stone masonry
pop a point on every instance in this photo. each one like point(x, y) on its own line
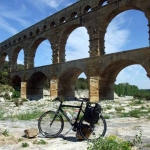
point(101, 69)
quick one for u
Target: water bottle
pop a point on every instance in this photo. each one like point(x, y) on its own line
point(75, 115)
point(69, 115)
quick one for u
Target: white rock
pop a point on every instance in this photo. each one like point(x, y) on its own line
point(2, 99)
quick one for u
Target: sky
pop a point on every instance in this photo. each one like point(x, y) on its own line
point(126, 31)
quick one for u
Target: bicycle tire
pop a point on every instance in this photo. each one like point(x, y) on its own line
point(55, 128)
point(92, 131)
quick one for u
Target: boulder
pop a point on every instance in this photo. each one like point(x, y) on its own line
point(31, 133)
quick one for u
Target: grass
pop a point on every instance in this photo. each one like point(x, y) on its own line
point(1, 115)
point(6, 133)
point(137, 113)
point(119, 108)
point(109, 107)
point(106, 116)
point(27, 116)
point(25, 145)
point(41, 142)
point(136, 102)
point(147, 145)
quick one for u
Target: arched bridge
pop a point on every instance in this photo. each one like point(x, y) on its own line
point(101, 69)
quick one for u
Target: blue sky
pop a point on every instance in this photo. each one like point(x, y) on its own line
point(126, 31)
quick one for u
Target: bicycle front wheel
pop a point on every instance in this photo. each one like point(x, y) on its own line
point(50, 124)
point(92, 131)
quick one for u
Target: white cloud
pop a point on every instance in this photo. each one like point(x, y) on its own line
point(15, 15)
point(56, 4)
point(77, 44)
point(116, 37)
point(5, 25)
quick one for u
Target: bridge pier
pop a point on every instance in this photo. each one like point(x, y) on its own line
point(94, 89)
point(23, 90)
point(53, 88)
point(106, 89)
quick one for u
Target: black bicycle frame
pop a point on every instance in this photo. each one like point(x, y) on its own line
point(71, 106)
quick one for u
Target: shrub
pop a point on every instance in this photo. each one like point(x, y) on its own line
point(109, 107)
point(6, 133)
point(17, 101)
point(119, 109)
point(142, 95)
point(135, 113)
point(6, 96)
point(15, 94)
point(25, 144)
point(109, 143)
point(106, 116)
point(112, 142)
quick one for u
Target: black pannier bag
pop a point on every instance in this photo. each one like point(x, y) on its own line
point(92, 113)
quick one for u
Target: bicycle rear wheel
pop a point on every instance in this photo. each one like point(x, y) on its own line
point(50, 124)
point(92, 131)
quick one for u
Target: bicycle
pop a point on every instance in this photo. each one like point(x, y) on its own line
point(51, 123)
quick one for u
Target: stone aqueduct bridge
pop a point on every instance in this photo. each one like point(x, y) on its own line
point(100, 69)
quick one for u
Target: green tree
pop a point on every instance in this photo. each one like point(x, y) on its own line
point(125, 89)
point(81, 84)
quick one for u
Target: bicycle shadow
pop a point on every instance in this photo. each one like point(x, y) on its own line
point(70, 138)
point(66, 138)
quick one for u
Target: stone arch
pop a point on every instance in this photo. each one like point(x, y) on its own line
point(31, 34)
point(32, 51)
point(64, 37)
point(67, 81)
point(62, 20)
point(73, 15)
point(108, 20)
point(117, 11)
point(15, 57)
point(109, 74)
point(53, 24)
point(87, 9)
point(35, 85)
point(37, 31)
point(16, 82)
point(44, 27)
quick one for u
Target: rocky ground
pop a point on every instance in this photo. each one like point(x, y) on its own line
point(121, 119)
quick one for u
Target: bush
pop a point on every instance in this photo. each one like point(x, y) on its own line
point(15, 94)
point(135, 113)
point(6, 96)
point(17, 101)
point(142, 95)
point(25, 145)
point(6, 133)
point(109, 143)
point(119, 109)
